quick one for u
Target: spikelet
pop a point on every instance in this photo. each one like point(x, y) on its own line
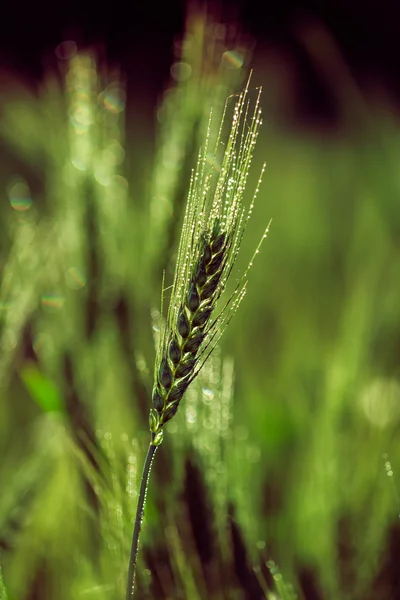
point(213, 227)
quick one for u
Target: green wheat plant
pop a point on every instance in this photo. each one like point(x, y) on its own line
point(215, 219)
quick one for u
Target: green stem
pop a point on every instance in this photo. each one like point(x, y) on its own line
point(130, 586)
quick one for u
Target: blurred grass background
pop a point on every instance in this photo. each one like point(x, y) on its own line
point(278, 478)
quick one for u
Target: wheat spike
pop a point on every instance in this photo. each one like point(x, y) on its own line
point(213, 227)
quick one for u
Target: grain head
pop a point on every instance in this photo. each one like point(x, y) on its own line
point(214, 223)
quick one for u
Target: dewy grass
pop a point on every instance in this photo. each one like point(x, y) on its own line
point(213, 227)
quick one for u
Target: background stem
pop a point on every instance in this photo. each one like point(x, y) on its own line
point(130, 586)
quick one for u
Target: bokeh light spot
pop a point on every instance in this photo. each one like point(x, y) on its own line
point(191, 414)
point(380, 402)
point(66, 50)
point(81, 117)
point(114, 153)
point(52, 302)
point(181, 71)
point(233, 59)
point(208, 395)
point(79, 164)
point(113, 98)
point(19, 194)
point(75, 278)
point(101, 175)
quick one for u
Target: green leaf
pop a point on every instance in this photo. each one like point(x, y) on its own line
point(42, 390)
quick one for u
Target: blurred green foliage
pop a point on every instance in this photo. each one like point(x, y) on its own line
point(279, 477)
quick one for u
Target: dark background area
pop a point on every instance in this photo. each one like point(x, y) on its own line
point(138, 35)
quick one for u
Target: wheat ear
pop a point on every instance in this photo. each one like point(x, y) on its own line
point(213, 227)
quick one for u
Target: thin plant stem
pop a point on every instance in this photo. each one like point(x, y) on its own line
point(130, 586)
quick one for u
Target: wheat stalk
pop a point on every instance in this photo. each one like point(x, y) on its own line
point(214, 224)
